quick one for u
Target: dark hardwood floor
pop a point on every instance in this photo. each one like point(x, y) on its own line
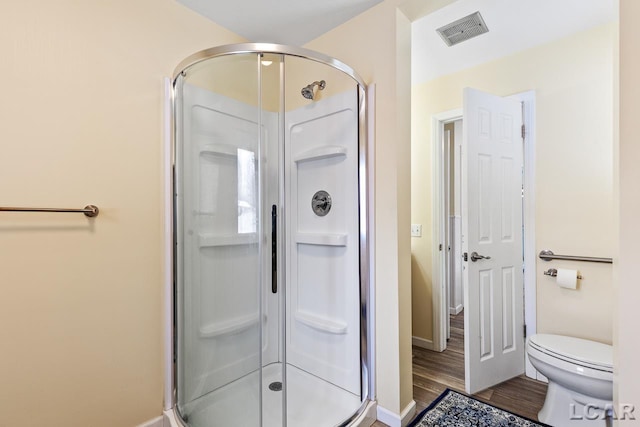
point(433, 372)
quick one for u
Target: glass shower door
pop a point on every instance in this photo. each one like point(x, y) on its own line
point(219, 250)
point(270, 241)
point(322, 292)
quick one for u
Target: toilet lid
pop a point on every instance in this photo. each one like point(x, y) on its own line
point(584, 352)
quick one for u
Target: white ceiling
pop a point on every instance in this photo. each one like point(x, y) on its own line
point(292, 22)
point(514, 25)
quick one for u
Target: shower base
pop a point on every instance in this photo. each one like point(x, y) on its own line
point(311, 401)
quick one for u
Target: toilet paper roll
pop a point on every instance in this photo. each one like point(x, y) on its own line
point(567, 278)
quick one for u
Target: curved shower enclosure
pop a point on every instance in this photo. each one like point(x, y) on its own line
point(271, 258)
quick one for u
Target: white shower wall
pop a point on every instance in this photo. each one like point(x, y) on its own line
point(221, 266)
point(320, 269)
point(323, 280)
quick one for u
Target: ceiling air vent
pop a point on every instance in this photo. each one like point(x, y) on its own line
point(463, 29)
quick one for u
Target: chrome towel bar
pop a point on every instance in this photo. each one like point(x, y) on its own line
point(89, 210)
point(549, 255)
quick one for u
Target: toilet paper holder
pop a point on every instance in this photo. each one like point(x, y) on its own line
point(553, 273)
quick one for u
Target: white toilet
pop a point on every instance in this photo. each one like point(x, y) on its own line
point(580, 374)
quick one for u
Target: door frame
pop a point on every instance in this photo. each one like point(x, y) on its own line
point(438, 192)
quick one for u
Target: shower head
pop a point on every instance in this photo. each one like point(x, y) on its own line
point(307, 91)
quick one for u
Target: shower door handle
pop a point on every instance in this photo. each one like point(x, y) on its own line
point(274, 249)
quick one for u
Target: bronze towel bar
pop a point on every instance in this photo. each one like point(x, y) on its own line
point(89, 210)
point(549, 255)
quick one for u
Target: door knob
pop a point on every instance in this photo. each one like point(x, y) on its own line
point(475, 256)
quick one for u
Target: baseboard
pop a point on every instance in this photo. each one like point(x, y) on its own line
point(394, 420)
point(532, 372)
point(367, 417)
point(456, 310)
point(156, 422)
point(529, 370)
point(170, 419)
point(422, 343)
point(409, 412)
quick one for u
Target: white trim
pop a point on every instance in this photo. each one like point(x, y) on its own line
point(167, 247)
point(156, 422)
point(529, 212)
point(367, 417)
point(394, 420)
point(422, 343)
point(446, 225)
point(456, 310)
point(407, 415)
point(536, 375)
point(438, 292)
point(371, 139)
point(170, 419)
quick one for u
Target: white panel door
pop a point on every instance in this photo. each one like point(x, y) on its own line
point(492, 228)
point(323, 287)
point(219, 213)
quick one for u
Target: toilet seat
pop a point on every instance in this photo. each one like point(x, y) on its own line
point(584, 353)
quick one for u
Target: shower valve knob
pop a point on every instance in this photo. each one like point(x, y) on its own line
point(321, 203)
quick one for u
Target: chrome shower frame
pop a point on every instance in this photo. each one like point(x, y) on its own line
point(366, 294)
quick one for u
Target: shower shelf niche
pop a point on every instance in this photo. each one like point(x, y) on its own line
point(320, 323)
point(232, 326)
point(321, 239)
point(320, 153)
point(219, 149)
point(209, 240)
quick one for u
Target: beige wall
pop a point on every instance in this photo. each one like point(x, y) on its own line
point(416, 9)
point(81, 110)
point(81, 306)
point(367, 43)
point(626, 338)
point(573, 80)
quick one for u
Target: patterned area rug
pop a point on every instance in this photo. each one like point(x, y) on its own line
point(452, 409)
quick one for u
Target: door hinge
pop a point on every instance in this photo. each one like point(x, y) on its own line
point(523, 131)
point(524, 329)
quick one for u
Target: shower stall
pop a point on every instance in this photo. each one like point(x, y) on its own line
point(271, 291)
